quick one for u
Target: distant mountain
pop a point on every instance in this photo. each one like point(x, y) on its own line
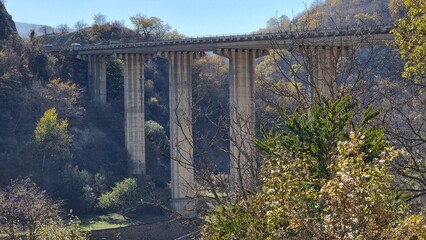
point(24, 29)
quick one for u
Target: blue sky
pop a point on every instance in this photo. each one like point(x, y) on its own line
point(190, 17)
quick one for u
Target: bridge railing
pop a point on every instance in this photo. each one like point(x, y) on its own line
point(286, 34)
point(351, 30)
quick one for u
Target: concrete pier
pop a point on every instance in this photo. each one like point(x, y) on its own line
point(242, 117)
point(181, 139)
point(133, 71)
point(96, 76)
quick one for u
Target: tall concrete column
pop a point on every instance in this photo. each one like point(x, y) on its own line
point(181, 140)
point(91, 70)
point(324, 61)
point(90, 77)
point(96, 72)
point(242, 115)
point(134, 115)
point(102, 86)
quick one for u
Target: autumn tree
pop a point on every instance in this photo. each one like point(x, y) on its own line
point(409, 118)
point(31, 103)
point(278, 24)
point(14, 71)
point(152, 28)
point(52, 142)
point(176, 35)
point(409, 37)
point(64, 96)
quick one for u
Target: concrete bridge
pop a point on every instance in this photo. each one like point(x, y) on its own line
point(326, 48)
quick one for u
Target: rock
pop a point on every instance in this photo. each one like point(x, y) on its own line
point(7, 25)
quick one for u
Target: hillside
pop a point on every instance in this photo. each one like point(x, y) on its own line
point(341, 13)
point(106, 33)
point(6, 21)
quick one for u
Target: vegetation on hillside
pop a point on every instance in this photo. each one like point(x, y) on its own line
point(332, 14)
point(28, 212)
point(326, 167)
point(411, 133)
point(51, 132)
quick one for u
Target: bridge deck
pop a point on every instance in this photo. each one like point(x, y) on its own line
point(331, 37)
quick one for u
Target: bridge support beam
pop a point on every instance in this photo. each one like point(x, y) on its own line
point(134, 113)
point(181, 138)
point(242, 116)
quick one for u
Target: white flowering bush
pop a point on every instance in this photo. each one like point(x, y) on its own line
point(323, 179)
point(358, 201)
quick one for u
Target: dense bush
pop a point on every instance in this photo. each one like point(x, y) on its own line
point(25, 210)
point(320, 184)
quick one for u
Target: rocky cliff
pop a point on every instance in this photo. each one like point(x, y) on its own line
point(7, 25)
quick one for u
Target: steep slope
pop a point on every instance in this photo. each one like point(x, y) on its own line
point(330, 14)
point(341, 13)
point(92, 35)
point(8, 26)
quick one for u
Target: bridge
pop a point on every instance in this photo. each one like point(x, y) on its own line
point(326, 47)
